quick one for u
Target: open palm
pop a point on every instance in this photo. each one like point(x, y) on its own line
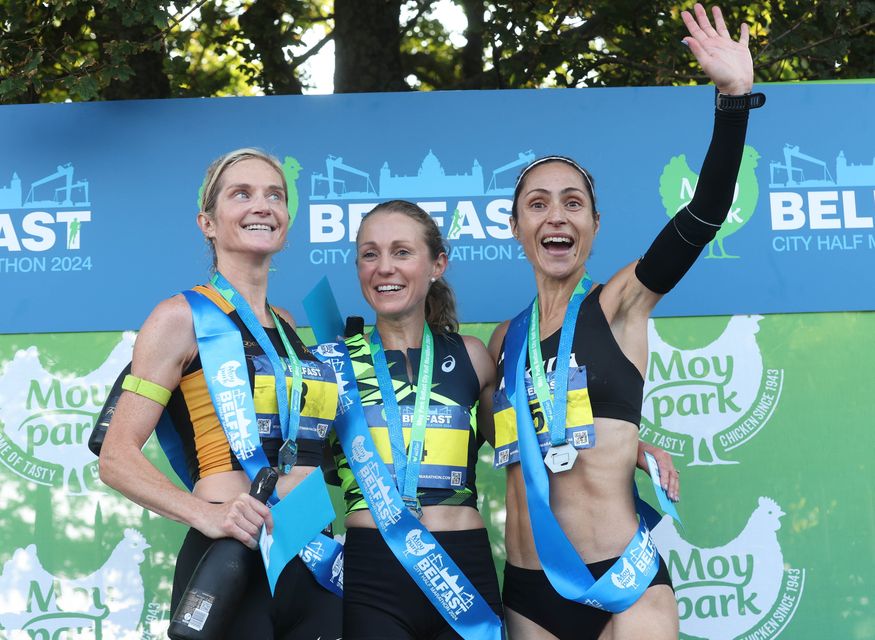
point(727, 62)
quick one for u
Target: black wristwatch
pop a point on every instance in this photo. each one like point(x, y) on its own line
point(746, 102)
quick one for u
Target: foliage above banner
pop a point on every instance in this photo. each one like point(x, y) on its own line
point(119, 49)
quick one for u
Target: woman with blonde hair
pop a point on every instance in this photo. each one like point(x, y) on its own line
point(253, 399)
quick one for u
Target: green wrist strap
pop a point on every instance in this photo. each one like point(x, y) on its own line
point(146, 389)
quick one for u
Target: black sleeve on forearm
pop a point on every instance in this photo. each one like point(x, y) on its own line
point(681, 241)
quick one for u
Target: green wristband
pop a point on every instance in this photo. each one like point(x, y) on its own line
point(146, 389)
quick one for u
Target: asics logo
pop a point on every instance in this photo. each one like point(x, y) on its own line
point(448, 364)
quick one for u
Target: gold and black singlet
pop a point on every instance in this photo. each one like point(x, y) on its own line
point(205, 446)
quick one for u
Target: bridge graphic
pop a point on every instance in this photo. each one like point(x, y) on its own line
point(55, 190)
point(802, 170)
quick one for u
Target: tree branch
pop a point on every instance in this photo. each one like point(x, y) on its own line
point(834, 36)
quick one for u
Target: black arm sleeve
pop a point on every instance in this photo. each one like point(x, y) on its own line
point(678, 245)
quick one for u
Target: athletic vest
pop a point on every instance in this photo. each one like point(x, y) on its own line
point(447, 473)
point(191, 409)
point(612, 386)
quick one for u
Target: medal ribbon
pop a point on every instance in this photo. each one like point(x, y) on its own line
point(630, 576)
point(554, 404)
point(289, 413)
point(406, 461)
point(448, 590)
point(221, 352)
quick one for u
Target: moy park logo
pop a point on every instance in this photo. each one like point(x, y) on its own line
point(107, 603)
point(677, 184)
point(46, 419)
point(740, 590)
point(702, 403)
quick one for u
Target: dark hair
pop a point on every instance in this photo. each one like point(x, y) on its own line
point(440, 302)
point(586, 175)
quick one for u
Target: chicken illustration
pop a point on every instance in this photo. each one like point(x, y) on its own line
point(109, 601)
point(726, 590)
point(291, 170)
point(701, 392)
point(678, 183)
point(49, 416)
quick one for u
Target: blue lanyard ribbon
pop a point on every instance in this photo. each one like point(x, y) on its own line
point(289, 412)
point(221, 352)
point(406, 460)
point(430, 566)
point(222, 358)
point(555, 404)
point(633, 572)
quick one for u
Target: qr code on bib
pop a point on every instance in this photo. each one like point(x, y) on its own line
point(581, 438)
point(503, 456)
point(456, 478)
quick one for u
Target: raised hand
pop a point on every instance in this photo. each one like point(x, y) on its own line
point(728, 63)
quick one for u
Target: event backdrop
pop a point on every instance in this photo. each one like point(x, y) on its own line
point(765, 409)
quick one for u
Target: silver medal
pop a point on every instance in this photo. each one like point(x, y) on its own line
point(560, 458)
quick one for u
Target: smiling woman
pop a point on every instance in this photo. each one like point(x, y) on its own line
point(247, 205)
point(220, 358)
point(419, 382)
point(580, 561)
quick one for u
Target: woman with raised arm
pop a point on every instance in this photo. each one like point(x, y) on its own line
point(417, 560)
point(236, 401)
point(580, 564)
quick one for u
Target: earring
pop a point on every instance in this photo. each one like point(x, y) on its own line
point(432, 280)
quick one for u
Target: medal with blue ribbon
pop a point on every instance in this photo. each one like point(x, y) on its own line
point(289, 412)
point(633, 572)
point(554, 404)
point(406, 460)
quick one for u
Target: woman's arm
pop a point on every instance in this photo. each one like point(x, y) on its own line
point(729, 65)
point(669, 478)
point(484, 367)
point(164, 347)
point(485, 423)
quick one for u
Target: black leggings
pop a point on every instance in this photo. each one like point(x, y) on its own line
point(382, 602)
point(299, 610)
point(529, 593)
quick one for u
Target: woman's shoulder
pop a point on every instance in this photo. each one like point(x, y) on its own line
point(481, 361)
point(497, 340)
point(168, 315)
point(166, 340)
point(285, 315)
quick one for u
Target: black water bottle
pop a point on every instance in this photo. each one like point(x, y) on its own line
point(218, 581)
point(98, 433)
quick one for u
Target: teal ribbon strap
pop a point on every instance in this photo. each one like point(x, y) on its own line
point(433, 570)
point(633, 572)
point(223, 359)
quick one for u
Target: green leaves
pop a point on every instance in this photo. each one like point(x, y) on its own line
point(89, 50)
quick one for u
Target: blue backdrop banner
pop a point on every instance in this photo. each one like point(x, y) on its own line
point(100, 199)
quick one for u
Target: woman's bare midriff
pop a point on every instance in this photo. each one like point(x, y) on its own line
point(593, 501)
point(434, 518)
point(227, 485)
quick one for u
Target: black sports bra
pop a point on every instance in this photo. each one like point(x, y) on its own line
point(616, 387)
